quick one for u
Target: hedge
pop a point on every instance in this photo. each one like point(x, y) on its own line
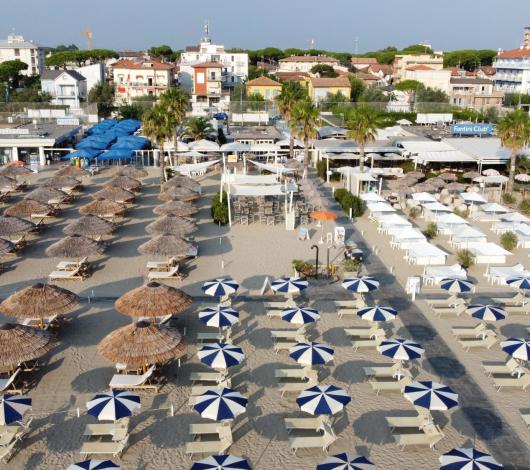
point(348, 201)
point(220, 209)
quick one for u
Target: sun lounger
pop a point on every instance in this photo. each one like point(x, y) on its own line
point(312, 424)
point(103, 448)
point(473, 343)
point(395, 422)
point(382, 370)
point(197, 390)
point(71, 265)
point(75, 274)
point(449, 310)
point(8, 385)
point(319, 441)
point(388, 384)
point(471, 331)
point(48, 322)
point(200, 429)
point(117, 431)
point(517, 300)
point(445, 301)
point(214, 337)
point(214, 377)
point(287, 334)
point(133, 382)
point(526, 418)
point(517, 310)
point(159, 265)
point(275, 305)
point(503, 382)
point(364, 332)
point(7, 451)
point(293, 373)
point(297, 386)
point(218, 445)
point(171, 274)
point(511, 366)
point(282, 344)
point(428, 436)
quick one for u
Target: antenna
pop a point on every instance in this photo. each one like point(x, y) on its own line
point(207, 28)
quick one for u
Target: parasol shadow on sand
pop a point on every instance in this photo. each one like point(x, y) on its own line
point(172, 225)
point(76, 247)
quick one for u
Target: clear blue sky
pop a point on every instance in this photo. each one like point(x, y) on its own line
point(334, 24)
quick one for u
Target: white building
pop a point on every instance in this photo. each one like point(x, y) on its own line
point(431, 78)
point(67, 87)
point(15, 47)
point(513, 68)
point(234, 64)
point(305, 63)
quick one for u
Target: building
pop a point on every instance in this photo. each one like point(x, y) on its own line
point(305, 63)
point(513, 68)
point(319, 88)
point(487, 72)
point(437, 79)
point(476, 93)
point(252, 135)
point(66, 87)
point(362, 62)
point(264, 86)
point(369, 79)
point(301, 77)
point(15, 47)
point(208, 95)
point(142, 77)
point(402, 62)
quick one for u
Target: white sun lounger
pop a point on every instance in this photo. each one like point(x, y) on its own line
point(512, 382)
point(214, 377)
point(396, 422)
point(516, 300)
point(382, 370)
point(310, 423)
point(450, 301)
point(66, 275)
point(215, 446)
point(294, 373)
point(70, 265)
point(511, 366)
point(133, 382)
point(449, 310)
point(9, 383)
point(526, 418)
point(297, 386)
point(208, 337)
point(388, 384)
point(171, 274)
point(319, 441)
point(473, 343)
point(197, 390)
point(103, 448)
point(13, 440)
point(117, 431)
point(201, 429)
point(469, 331)
point(429, 436)
point(158, 265)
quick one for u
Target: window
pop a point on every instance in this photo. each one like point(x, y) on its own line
point(17, 52)
point(212, 75)
point(200, 78)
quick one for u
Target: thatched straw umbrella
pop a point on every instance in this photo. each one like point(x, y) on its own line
point(133, 172)
point(115, 194)
point(12, 226)
point(7, 182)
point(456, 187)
point(72, 171)
point(124, 182)
point(471, 175)
point(166, 245)
point(180, 208)
point(75, 247)
point(425, 187)
point(15, 170)
point(179, 194)
point(47, 195)
point(182, 182)
point(153, 300)
point(39, 301)
point(6, 247)
point(27, 207)
point(142, 344)
point(172, 225)
point(102, 208)
point(436, 182)
point(20, 343)
point(90, 226)
point(448, 177)
point(59, 182)
point(415, 174)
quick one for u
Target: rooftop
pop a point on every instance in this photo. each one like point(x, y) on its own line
point(419, 67)
point(470, 81)
point(263, 81)
point(330, 82)
point(519, 53)
point(291, 75)
point(43, 130)
point(147, 63)
point(53, 74)
point(15, 40)
point(208, 65)
point(255, 132)
point(363, 60)
point(310, 58)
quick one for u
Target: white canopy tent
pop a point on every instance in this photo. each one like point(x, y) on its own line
point(273, 168)
point(424, 197)
point(426, 254)
point(235, 147)
point(488, 253)
point(372, 197)
point(189, 168)
point(204, 145)
point(473, 197)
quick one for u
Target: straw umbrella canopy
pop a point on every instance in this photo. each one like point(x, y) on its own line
point(142, 344)
point(166, 245)
point(7, 181)
point(179, 194)
point(90, 226)
point(12, 226)
point(415, 174)
point(27, 207)
point(182, 182)
point(75, 246)
point(15, 170)
point(124, 182)
point(471, 175)
point(114, 193)
point(62, 181)
point(456, 187)
point(72, 171)
point(133, 172)
point(173, 225)
point(20, 343)
point(448, 177)
point(153, 300)
point(46, 195)
point(39, 301)
point(102, 207)
point(6, 247)
point(437, 182)
point(423, 187)
point(179, 208)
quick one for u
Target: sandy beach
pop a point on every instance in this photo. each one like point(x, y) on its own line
point(74, 371)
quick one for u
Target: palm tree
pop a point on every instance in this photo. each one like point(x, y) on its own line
point(362, 124)
point(198, 128)
point(291, 93)
point(514, 132)
point(304, 119)
point(176, 102)
point(159, 126)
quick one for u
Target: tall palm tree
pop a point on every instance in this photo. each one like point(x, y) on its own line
point(514, 132)
point(362, 123)
point(291, 93)
point(198, 128)
point(304, 120)
point(159, 126)
point(176, 102)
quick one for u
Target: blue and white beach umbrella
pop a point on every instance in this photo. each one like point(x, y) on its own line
point(518, 348)
point(221, 355)
point(361, 284)
point(219, 316)
point(311, 354)
point(221, 462)
point(13, 408)
point(300, 315)
point(400, 349)
point(323, 400)
point(220, 404)
point(431, 395)
point(377, 313)
point(94, 465)
point(519, 282)
point(486, 312)
point(113, 405)
point(456, 285)
point(346, 461)
point(220, 287)
point(289, 285)
point(468, 459)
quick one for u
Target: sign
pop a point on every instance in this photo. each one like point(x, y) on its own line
point(472, 129)
point(14, 131)
point(231, 158)
point(67, 122)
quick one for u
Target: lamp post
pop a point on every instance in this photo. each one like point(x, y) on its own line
point(315, 247)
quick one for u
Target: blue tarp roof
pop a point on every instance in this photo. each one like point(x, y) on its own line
point(116, 154)
point(83, 153)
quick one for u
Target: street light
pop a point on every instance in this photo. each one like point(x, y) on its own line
point(315, 247)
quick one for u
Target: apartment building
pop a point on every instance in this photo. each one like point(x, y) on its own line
point(15, 47)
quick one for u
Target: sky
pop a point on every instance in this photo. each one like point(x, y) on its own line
point(338, 25)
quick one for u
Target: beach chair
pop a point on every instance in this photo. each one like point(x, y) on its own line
point(113, 448)
point(202, 429)
point(282, 344)
point(71, 265)
point(395, 422)
point(446, 301)
point(311, 423)
point(511, 366)
point(213, 377)
point(298, 385)
point(319, 441)
point(160, 265)
point(303, 234)
point(517, 309)
point(10, 439)
point(75, 274)
point(209, 337)
point(457, 309)
point(197, 390)
point(512, 382)
point(430, 435)
point(473, 343)
point(382, 370)
point(389, 384)
point(171, 274)
point(133, 382)
point(516, 300)
point(38, 322)
point(364, 332)
point(294, 373)
point(219, 445)
point(8, 385)
point(526, 418)
point(275, 305)
point(117, 431)
point(472, 331)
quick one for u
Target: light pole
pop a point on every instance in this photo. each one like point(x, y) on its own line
point(315, 247)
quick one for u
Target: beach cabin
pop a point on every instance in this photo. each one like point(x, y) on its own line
point(488, 253)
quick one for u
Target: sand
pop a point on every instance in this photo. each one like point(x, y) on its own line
point(74, 371)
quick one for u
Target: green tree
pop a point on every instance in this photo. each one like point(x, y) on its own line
point(198, 128)
point(102, 94)
point(304, 119)
point(256, 101)
point(79, 57)
point(175, 101)
point(431, 95)
point(417, 49)
point(514, 132)
point(162, 52)
point(357, 88)
point(374, 95)
point(324, 71)
point(130, 111)
point(409, 85)
point(291, 93)
point(10, 71)
point(255, 72)
point(362, 123)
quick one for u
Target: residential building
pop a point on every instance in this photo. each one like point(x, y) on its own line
point(383, 71)
point(305, 63)
point(487, 72)
point(15, 47)
point(66, 87)
point(402, 62)
point(255, 134)
point(437, 79)
point(369, 79)
point(208, 95)
point(476, 93)
point(264, 86)
point(362, 62)
point(319, 88)
point(513, 68)
point(142, 77)
point(301, 77)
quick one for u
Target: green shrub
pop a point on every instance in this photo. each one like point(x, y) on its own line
point(508, 198)
point(414, 212)
point(355, 203)
point(339, 195)
point(351, 265)
point(524, 206)
point(321, 169)
point(303, 267)
point(465, 258)
point(335, 176)
point(464, 214)
point(431, 231)
point(407, 165)
point(220, 209)
point(509, 240)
